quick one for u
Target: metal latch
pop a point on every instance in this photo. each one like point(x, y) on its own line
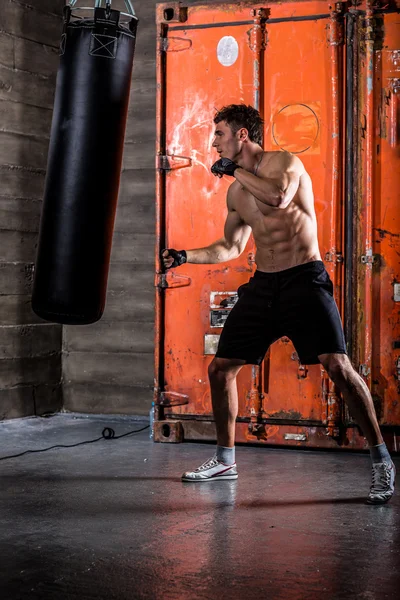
point(257, 38)
point(171, 280)
point(161, 281)
point(170, 162)
point(172, 399)
point(173, 44)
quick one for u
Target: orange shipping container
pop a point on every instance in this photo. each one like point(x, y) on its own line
point(326, 79)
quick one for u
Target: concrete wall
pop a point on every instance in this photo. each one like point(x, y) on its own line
point(108, 366)
point(30, 364)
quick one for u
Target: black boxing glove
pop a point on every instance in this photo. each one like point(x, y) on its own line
point(179, 256)
point(224, 166)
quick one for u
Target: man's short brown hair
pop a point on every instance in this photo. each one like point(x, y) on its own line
point(242, 115)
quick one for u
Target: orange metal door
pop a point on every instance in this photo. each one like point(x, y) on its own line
point(204, 66)
point(303, 111)
point(294, 62)
point(377, 310)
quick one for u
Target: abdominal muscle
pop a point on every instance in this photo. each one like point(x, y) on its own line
point(284, 238)
point(273, 255)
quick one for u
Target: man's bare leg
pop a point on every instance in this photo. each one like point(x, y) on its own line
point(222, 373)
point(355, 393)
point(359, 400)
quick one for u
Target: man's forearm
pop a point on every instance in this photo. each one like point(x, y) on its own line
point(264, 189)
point(213, 254)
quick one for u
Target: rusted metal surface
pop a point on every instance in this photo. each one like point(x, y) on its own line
point(289, 60)
point(378, 323)
point(380, 326)
point(366, 191)
point(350, 438)
point(170, 432)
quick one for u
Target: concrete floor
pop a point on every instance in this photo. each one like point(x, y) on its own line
point(113, 520)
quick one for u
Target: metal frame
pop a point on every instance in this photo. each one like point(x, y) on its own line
point(98, 3)
point(349, 182)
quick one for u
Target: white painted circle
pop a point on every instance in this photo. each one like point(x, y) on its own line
point(227, 50)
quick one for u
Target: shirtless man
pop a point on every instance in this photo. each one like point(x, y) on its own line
point(290, 294)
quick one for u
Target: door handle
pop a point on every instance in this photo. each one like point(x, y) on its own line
point(171, 280)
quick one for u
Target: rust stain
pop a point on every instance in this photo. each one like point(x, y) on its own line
point(263, 432)
point(384, 232)
point(286, 414)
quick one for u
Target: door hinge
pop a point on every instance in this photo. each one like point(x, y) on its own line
point(364, 370)
point(251, 259)
point(173, 44)
point(333, 415)
point(169, 162)
point(302, 372)
point(331, 403)
point(334, 30)
point(368, 257)
point(335, 257)
point(161, 281)
point(397, 373)
point(171, 280)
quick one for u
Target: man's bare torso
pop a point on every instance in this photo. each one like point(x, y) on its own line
point(285, 237)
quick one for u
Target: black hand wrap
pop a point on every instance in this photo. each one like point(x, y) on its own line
point(179, 256)
point(224, 166)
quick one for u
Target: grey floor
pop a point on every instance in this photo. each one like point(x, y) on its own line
point(113, 520)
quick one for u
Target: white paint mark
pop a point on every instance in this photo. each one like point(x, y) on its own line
point(227, 51)
point(197, 113)
point(206, 194)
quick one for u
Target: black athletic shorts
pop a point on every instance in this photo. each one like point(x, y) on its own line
point(297, 303)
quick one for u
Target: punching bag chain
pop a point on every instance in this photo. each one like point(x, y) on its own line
point(98, 3)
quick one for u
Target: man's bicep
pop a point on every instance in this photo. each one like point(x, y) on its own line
point(287, 179)
point(290, 185)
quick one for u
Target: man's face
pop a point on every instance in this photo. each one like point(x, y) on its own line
point(226, 143)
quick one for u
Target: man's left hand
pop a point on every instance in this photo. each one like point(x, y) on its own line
point(224, 166)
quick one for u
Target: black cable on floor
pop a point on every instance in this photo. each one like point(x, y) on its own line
point(107, 434)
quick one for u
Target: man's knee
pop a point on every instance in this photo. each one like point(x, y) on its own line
point(338, 367)
point(223, 370)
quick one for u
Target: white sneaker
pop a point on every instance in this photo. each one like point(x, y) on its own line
point(382, 487)
point(212, 469)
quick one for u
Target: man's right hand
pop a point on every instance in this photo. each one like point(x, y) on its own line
point(173, 258)
point(224, 166)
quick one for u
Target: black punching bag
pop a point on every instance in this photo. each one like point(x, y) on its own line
point(84, 166)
